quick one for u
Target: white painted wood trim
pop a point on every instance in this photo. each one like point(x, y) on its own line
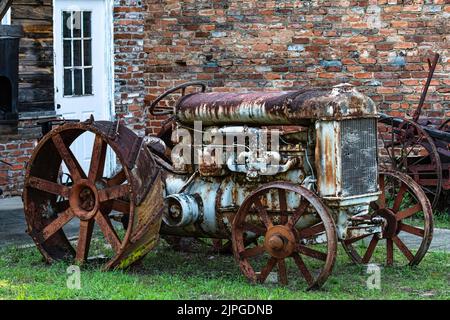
point(109, 55)
point(7, 18)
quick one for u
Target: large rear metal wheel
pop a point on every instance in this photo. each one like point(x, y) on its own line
point(408, 223)
point(306, 234)
point(92, 199)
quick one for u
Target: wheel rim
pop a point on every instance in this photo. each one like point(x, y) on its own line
point(406, 147)
point(408, 223)
point(92, 200)
point(279, 239)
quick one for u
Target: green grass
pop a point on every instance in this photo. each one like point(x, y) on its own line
point(166, 274)
point(441, 219)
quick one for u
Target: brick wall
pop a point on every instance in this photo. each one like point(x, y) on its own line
point(129, 23)
point(16, 149)
point(378, 46)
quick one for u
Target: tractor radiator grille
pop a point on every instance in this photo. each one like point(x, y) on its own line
point(359, 156)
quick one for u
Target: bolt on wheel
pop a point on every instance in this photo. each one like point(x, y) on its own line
point(407, 224)
point(293, 230)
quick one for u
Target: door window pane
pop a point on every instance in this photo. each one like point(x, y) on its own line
point(77, 53)
point(67, 82)
point(77, 24)
point(67, 53)
point(88, 81)
point(78, 80)
point(67, 24)
point(87, 52)
point(87, 24)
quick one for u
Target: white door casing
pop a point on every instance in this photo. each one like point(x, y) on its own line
point(83, 67)
point(7, 18)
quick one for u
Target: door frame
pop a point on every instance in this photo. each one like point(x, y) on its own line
point(109, 108)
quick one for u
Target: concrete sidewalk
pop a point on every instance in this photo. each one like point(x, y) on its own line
point(13, 226)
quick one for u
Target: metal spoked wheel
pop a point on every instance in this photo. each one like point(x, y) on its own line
point(408, 224)
point(90, 202)
point(302, 239)
point(407, 148)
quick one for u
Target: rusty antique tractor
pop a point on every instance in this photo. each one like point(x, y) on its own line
point(283, 176)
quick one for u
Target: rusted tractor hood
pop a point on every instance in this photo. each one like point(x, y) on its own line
point(285, 107)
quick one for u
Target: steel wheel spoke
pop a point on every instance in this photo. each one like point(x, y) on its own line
point(108, 231)
point(416, 143)
point(353, 240)
point(303, 269)
point(282, 272)
point(298, 213)
point(412, 230)
point(389, 252)
point(311, 231)
point(399, 198)
point(55, 225)
point(49, 187)
point(311, 253)
point(259, 231)
point(266, 270)
point(352, 252)
point(382, 197)
point(69, 159)
point(113, 192)
point(408, 212)
point(121, 206)
point(403, 248)
point(252, 252)
point(84, 240)
point(372, 245)
point(263, 214)
point(386, 147)
point(118, 179)
point(98, 159)
point(283, 205)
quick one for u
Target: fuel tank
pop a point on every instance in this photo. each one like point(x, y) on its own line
point(275, 108)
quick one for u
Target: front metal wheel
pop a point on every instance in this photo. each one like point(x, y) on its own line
point(290, 225)
point(408, 223)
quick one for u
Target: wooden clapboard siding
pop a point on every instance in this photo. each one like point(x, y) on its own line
point(36, 54)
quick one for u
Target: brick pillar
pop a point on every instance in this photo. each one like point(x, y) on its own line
point(129, 61)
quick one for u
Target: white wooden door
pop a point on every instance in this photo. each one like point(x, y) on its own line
point(82, 67)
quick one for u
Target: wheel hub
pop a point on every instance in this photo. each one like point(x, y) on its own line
point(279, 241)
point(390, 227)
point(84, 200)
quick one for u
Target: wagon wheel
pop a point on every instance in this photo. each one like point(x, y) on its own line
point(406, 147)
point(87, 204)
point(306, 233)
point(408, 223)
